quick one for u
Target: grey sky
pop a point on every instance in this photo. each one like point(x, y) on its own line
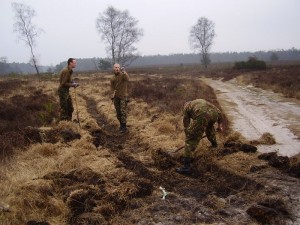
point(69, 25)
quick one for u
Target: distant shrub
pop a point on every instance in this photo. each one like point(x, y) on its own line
point(48, 114)
point(169, 94)
point(251, 64)
point(9, 142)
point(10, 85)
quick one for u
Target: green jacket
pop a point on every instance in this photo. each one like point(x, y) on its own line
point(200, 109)
point(65, 78)
point(118, 83)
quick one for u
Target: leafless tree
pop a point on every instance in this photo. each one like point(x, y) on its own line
point(201, 38)
point(3, 59)
point(28, 32)
point(119, 30)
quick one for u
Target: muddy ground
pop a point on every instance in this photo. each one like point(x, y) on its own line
point(254, 111)
point(92, 174)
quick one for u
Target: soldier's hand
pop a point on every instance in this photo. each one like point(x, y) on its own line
point(75, 85)
point(220, 128)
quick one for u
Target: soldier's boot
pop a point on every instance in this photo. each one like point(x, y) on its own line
point(186, 168)
point(214, 144)
point(123, 127)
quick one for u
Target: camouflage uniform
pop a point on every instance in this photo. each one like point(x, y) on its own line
point(199, 116)
point(65, 99)
point(119, 85)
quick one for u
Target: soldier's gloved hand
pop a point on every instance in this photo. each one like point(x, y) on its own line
point(112, 99)
point(75, 85)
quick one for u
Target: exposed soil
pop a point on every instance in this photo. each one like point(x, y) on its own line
point(95, 175)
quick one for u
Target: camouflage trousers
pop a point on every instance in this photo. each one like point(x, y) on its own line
point(194, 133)
point(66, 104)
point(121, 109)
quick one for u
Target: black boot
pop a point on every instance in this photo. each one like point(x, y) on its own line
point(214, 144)
point(186, 168)
point(123, 127)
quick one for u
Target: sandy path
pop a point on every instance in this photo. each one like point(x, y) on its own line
point(254, 111)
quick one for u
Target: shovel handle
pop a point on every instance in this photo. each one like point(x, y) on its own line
point(177, 149)
point(77, 112)
point(181, 147)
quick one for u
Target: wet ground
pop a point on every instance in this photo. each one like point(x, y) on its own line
point(254, 111)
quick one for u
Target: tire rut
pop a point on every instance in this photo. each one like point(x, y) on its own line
point(196, 185)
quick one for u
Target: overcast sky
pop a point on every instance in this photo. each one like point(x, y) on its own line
point(69, 25)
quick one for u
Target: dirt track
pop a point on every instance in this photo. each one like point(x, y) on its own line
point(254, 111)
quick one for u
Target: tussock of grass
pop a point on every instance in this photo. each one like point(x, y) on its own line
point(67, 125)
point(164, 127)
point(265, 139)
point(36, 203)
point(45, 150)
point(236, 137)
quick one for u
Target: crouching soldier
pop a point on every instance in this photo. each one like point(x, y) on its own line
point(65, 82)
point(118, 85)
point(199, 116)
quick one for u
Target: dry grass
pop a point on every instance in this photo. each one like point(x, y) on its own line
point(117, 182)
point(265, 139)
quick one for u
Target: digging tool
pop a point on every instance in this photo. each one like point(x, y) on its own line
point(77, 112)
point(181, 147)
point(110, 105)
point(112, 100)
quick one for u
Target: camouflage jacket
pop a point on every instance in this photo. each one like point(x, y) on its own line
point(200, 109)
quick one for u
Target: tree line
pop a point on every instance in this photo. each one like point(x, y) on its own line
point(96, 64)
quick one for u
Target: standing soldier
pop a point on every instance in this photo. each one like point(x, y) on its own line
point(118, 84)
point(199, 116)
point(65, 82)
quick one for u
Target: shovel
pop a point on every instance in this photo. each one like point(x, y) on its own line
point(181, 147)
point(77, 112)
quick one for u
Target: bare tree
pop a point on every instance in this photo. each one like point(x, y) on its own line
point(28, 32)
point(3, 59)
point(119, 30)
point(201, 38)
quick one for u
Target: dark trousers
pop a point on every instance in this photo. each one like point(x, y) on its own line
point(66, 104)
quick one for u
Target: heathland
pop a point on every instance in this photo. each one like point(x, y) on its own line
point(88, 173)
